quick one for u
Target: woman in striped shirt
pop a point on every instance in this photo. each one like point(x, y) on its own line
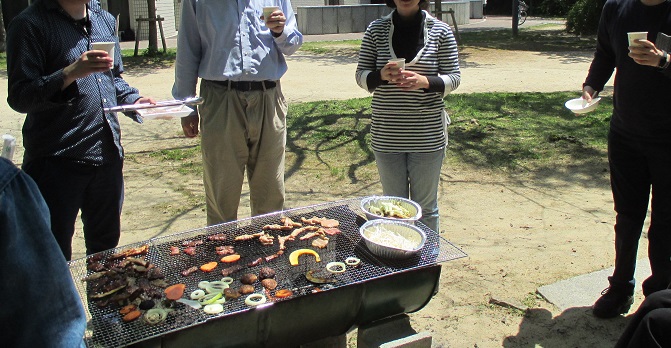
point(409, 123)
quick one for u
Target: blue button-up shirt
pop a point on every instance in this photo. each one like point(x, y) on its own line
point(68, 123)
point(227, 40)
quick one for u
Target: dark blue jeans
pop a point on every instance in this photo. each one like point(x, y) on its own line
point(637, 169)
point(69, 187)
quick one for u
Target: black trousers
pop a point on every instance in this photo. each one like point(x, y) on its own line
point(639, 169)
point(649, 325)
point(69, 187)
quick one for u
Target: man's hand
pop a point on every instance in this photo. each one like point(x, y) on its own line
point(588, 93)
point(88, 63)
point(275, 22)
point(145, 100)
point(646, 54)
point(190, 125)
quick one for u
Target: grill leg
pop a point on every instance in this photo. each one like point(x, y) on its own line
point(329, 342)
point(391, 332)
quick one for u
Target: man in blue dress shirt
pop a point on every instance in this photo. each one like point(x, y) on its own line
point(239, 55)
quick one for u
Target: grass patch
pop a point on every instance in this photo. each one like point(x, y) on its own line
point(524, 130)
point(510, 132)
point(146, 60)
point(542, 38)
point(188, 159)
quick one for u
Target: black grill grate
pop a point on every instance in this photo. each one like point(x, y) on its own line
point(106, 328)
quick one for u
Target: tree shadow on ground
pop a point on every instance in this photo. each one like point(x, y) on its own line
point(330, 138)
point(532, 39)
point(539, 329)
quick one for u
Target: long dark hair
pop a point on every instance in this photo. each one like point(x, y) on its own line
point(390, 3)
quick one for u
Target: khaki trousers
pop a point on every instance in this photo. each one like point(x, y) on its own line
point(242, 131)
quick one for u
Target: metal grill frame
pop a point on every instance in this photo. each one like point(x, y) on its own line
point(106, 329)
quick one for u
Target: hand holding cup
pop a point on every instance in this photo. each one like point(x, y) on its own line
point(394, 68)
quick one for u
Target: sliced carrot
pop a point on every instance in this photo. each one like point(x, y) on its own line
point(127, 309)
point(209, 267)
point(130, 316)
point(230, 258)
point(175, 292)
point(283, 293)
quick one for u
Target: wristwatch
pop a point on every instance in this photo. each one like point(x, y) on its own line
point(664, 60)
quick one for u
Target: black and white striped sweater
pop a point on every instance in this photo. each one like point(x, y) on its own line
point(409, 121)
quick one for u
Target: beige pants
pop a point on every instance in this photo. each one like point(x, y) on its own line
point(242, 130)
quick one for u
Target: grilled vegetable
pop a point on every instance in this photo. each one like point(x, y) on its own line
point(293, 257)
point(209, 267)
point(174, 292)
point(230, 258)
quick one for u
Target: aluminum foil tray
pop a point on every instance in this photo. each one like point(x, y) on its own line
point(106, 328)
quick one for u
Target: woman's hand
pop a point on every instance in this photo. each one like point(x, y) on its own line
point(391, 73)
point(411, 81)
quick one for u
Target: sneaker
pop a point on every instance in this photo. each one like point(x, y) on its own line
point(612, 303)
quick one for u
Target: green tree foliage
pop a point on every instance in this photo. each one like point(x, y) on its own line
point(583, 18)
point(552, 8)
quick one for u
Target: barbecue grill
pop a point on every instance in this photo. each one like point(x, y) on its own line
point(375, 289)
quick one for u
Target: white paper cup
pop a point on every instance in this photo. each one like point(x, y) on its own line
point(8, 146)
point(636, 35)
point(268, 10)
point(400, 62)
point(104, 46)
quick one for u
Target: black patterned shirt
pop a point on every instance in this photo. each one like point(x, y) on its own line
point(68, 123)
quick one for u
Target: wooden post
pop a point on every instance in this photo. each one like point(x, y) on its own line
point(160, 26)
point(137, 35)
point(158, 19)
point(456, 28)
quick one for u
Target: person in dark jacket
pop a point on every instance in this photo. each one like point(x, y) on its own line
point(41, 307)
point(72, 147)
point(639, 145)
point(649, 325)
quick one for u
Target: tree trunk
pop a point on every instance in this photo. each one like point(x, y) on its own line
point(2, 29)
point(153, 36)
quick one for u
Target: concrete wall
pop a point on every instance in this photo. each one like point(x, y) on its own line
point(476, 9)
point(338, 19)
point(462, 11)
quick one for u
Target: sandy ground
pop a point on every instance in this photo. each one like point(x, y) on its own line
point(520, 231)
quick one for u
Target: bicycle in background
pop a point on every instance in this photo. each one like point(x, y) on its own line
point(522, 12)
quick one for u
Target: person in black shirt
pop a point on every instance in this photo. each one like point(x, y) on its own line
point(639, 145)
point(72, 147)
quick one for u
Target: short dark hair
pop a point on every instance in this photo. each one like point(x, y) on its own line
point(392, 4)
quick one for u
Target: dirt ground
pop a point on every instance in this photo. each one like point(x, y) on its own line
point(520, 231)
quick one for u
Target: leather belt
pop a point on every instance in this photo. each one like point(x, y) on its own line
point(246, 85)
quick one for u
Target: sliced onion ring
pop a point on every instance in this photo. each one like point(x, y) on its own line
point(197, 294)
point(352, 261)
point(203, 284)
point(255, 299)
point(227, 280)
point(336, 267)
point(216, 286)
point(155, 315)
point(214, 308)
